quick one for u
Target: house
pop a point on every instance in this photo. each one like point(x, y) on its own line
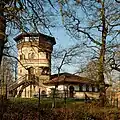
point(71, 85)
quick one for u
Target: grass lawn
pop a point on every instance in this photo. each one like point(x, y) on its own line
point(45, 102)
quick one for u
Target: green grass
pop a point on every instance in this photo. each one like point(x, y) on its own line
point(44, 102)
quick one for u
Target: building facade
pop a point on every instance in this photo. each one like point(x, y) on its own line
point(74, 86)
point(34, 55)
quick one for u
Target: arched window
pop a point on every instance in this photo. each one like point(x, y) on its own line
point(47, 56)
point(43, 92)
point(45, 71)
point(71, 89)
point(22, 57)
point(20, 70)
point(29, 55)
point(31, 70)
point(32, 55)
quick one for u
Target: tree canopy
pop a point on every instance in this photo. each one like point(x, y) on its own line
point(98, 21)
point(24, 16)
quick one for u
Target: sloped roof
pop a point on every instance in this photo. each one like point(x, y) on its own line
point(22, 35)
point(67, 78)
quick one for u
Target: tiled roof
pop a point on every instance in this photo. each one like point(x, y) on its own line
point(63, 78)
point(20, 36)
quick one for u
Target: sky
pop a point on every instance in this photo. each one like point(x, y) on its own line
point(62, 40)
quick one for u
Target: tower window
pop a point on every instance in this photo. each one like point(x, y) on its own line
point(47, 56)
point(31, 56)
point(45, 71)
point(26, 39)
point(22, 57)
point(20, 70)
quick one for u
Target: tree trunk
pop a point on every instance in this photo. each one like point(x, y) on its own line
point(2, 30)
point(102, 59)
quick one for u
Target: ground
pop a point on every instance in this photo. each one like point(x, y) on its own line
point(29, 109)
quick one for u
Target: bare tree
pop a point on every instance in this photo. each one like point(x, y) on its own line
point(98, 21)
point(63, 57)
point(115, 60)
point(23, 16)
point(7, 74)
point(67, 56)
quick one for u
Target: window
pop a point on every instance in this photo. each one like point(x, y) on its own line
point(31, 70)
point(20, 70)
point(44, 70)
point(34, 38)
point(0, 82)
point(31, 55)
point(47, 55)
point(96, 89)
point(40, 70)
point(80, 87)
point(84, 88)
point(90, 88)
point(43, 92)
point(22, 57)
point(26, 39)
point(76, 88)
point(87, 87)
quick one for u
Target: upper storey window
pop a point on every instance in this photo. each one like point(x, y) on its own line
point(26, 39)
point(34, 38)
point(22, 57)
point(31, 56)
point(47, 55)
